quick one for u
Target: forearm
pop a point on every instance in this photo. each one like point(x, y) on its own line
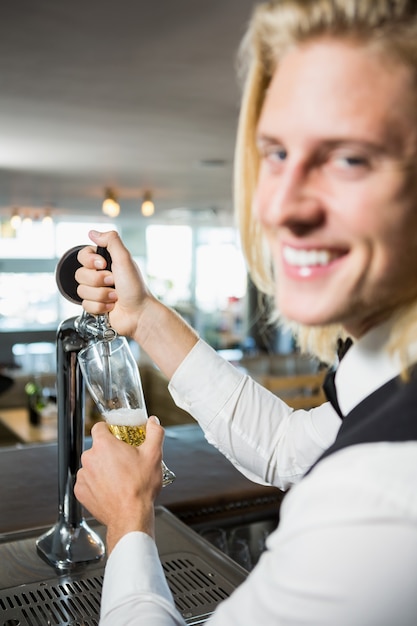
point(164, 335)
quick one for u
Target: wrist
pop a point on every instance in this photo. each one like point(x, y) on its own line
point(140, 522)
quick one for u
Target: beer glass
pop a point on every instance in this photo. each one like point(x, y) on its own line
point(112, 377)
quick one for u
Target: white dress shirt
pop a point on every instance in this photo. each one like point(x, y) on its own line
point(345, 551)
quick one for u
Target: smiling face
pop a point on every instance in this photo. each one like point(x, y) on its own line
point(337, 188)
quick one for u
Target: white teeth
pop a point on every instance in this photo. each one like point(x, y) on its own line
point(306, 258)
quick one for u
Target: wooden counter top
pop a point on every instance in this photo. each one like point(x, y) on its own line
point(208, 487)
point(17, 421)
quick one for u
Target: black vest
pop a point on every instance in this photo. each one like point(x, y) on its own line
point(388, 414)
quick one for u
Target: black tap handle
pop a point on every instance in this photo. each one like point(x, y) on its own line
point(66, 269)
point(64, 275)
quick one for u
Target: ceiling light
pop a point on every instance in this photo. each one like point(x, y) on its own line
point(110, 205)
point(27, 221)
point(148, 207)
point(15, 220)
point(47, 218)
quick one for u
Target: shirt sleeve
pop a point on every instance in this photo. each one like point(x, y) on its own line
point(276, 449)
point(135, 591)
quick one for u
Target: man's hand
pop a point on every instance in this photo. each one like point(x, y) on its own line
point(118, 483)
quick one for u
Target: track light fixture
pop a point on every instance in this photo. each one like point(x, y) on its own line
point(110, 207)
point(16, 219)
point(148, 207)
point(25, 216)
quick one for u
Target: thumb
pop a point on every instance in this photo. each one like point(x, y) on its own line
point(109, 239)
point(154, 431)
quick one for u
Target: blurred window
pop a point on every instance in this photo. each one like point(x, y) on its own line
point(169, 262)
point(29, 298)
point(199, 270)
point(220, 269)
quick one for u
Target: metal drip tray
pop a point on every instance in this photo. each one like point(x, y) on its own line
point(198, 574)
point(52, 602)
point(196, 587)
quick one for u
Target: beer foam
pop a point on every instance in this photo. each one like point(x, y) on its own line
point(126, 417)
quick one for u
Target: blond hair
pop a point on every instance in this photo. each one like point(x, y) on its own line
point(274, 28)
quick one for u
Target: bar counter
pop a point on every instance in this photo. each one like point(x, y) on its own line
point(208, 488)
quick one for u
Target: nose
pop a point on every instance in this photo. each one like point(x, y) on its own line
point(290, 198)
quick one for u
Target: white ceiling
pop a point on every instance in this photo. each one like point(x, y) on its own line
point(129, 94)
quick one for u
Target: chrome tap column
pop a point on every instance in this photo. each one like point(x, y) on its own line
point(70, 542)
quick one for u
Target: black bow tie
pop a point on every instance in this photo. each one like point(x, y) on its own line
point(343, 346)
point(329, 387)
point(330, 391)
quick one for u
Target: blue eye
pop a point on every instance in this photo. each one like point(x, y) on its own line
point(280, 155)
point(274, 154)
point(352, 161)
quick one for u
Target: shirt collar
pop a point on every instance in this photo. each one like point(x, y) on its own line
point(366, 366)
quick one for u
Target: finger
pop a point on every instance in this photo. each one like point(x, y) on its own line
point(78, 488)
point(100, 435)
point(81, 487)
point(105, 295)
point(100, 430)
point(97, 308)
point(154, 429)
point(90, 276)
point(87, 257)
point(120, 255)
point(154, 436)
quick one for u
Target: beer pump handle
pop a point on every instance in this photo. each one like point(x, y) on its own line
point(65, 275)
point(66, 269)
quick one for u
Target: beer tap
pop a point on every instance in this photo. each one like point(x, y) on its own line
point(71, 543)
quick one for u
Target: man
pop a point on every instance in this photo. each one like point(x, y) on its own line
point(326, 196)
